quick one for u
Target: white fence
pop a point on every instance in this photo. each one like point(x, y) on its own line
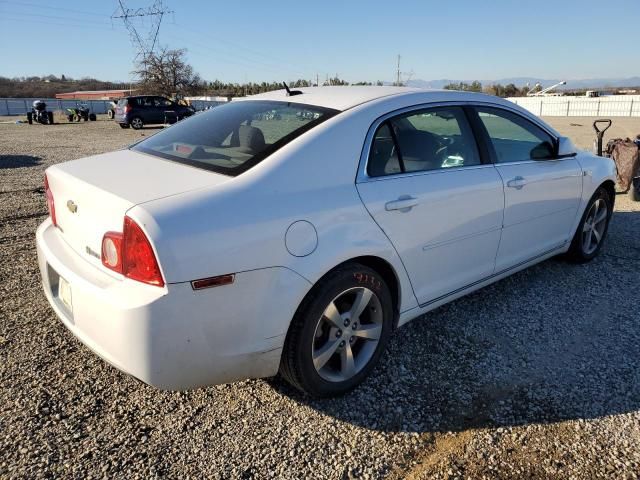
point(610, 106)
point(20, 106)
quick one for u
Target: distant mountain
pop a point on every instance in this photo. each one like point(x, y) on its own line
point(545, 82)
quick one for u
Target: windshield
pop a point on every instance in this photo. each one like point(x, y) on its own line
point(234, 137)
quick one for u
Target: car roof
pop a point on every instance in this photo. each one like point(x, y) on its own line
point(346, 97)
point(336, 97)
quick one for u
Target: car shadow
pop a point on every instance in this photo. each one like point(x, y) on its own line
point(555, 342)
point(19, 161)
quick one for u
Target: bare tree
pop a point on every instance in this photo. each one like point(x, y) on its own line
point(167, 72)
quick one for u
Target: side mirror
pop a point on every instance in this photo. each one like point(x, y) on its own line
point(566, 148)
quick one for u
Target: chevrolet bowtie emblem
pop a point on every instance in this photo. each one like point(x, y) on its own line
point(73, 208)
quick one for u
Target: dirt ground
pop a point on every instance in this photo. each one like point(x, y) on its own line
point(533, 377)
point(580, 129)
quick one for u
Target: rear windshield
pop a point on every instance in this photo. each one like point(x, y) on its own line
point(122, 102)
point(234, 137)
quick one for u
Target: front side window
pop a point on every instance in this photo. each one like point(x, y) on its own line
point(232, 138)
point(515, 138)
point(145, 101)
point(432, 139)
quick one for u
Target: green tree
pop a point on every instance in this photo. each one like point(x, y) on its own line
point(510, 90)
point(475, 86)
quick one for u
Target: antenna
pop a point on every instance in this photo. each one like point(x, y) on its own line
point(155, 12)
point(291, 93)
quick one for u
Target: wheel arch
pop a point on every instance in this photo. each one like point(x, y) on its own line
point(382, 267)
point(610, 188)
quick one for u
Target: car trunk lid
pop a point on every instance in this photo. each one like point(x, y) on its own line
point(92, 195)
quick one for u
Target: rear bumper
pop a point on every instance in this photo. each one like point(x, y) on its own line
point(173, 337)
point(120, 118)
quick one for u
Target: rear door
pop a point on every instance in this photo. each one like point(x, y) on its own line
point(427, 187)
point(162, 106)
point(542, 192)
point(150, 111)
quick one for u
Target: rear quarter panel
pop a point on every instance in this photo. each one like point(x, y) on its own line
point(241, 224)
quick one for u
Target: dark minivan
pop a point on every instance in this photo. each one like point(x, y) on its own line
point(141, 110)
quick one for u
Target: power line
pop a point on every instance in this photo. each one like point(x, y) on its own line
point(56, 17)
point(28, 4)
point(155, 12)
point(238, 59)
point(251, 51)
point(63, 24)
point(132, 24)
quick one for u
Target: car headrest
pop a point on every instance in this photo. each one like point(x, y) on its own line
point(249, 139)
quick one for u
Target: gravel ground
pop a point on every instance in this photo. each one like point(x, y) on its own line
point(533, 377)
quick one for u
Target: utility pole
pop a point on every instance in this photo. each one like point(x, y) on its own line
point(317, 80)
point(155, 13)
point(398, 73)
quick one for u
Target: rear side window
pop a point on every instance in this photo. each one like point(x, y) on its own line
point(515, 138)
point(432, 139)
point(232, 138)
point(162, 102)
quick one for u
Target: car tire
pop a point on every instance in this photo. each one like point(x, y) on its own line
point(92, 117)
point(136, 123)
point(110, 114)
point(50, 117)
point(123, 125)
point(339, 332)
point(30, 118)
point(592, 229)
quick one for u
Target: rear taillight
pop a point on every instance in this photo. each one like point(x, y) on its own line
point(127, 108)
point(112, 251)
point(50, 205)
point(130, 253)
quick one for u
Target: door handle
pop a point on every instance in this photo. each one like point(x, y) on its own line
point(404, 204)
point(517, 182)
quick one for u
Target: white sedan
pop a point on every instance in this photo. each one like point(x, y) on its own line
point(294, 232)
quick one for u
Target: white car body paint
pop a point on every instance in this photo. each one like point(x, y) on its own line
point(301, 238)
point(282, 225)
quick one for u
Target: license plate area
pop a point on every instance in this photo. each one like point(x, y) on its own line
point(61, 292)
point(64, 294)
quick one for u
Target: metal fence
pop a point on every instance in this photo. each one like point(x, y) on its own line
point(610, 106)
point(20, 106)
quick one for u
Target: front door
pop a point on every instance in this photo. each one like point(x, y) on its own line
point(439, 205)
point(542, 193)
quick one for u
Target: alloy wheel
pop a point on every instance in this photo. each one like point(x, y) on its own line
point(594, 226)
point(347, 334)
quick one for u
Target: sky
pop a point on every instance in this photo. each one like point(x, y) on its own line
point(357, 40)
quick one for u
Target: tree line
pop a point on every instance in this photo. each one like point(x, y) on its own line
point(497, 89)
point(48, 86)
